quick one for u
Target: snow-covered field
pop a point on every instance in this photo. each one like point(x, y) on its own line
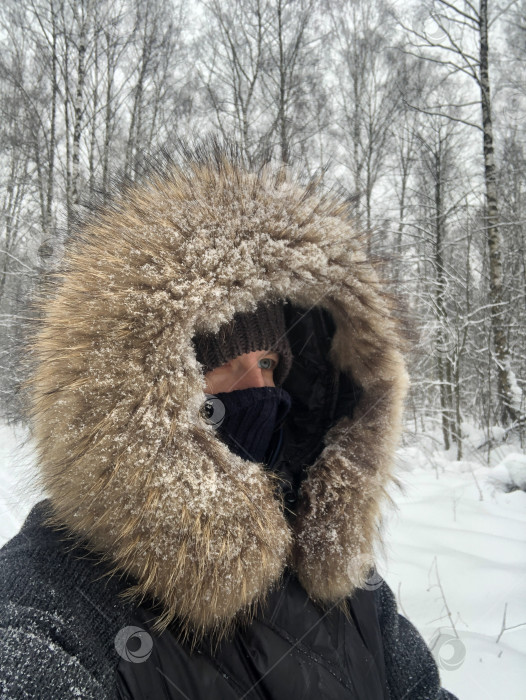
point(16, 471)
point(455, 556)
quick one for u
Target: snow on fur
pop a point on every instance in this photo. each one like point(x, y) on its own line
point(115, 393)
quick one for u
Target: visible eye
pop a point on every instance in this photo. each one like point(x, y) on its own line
point(212, 411)
point(270, 363)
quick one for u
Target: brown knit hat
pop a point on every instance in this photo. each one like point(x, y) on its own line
point(262, 329)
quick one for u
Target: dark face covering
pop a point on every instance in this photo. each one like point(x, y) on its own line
point(246, 419)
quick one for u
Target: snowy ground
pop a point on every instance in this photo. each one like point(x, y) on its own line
point(15, 473)
point(456, 545)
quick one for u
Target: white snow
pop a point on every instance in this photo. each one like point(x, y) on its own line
point(516, 391)
point(17, 493)
point(458, 544)
point(515, 465)
point(457, 540)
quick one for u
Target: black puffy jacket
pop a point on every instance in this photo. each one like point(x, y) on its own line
point(295, 650)
point(65, 633)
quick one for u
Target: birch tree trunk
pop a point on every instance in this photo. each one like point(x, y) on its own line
point(440, 307)
point(146, 53)
point(78, 105)
point(53, 123)
point(509, 410)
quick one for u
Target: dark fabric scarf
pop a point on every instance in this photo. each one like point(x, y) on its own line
point(247, 419)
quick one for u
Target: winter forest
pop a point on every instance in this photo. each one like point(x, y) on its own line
point(415, 110)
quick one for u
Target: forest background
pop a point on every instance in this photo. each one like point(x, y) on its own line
point(414, 110)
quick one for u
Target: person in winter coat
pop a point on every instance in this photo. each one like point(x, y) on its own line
point(216, 394)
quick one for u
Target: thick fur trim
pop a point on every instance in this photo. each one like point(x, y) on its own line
point(115, 394)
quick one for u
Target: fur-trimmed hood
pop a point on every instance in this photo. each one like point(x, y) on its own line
point(125, 458)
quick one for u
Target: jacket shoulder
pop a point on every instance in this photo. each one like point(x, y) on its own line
point(57, 622)
point(410, 667)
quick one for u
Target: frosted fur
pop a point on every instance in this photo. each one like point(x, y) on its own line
point(125, 459)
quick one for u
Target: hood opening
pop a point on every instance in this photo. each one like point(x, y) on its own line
point(320, 393)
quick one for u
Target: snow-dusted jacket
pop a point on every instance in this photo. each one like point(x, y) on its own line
point(161, 564)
